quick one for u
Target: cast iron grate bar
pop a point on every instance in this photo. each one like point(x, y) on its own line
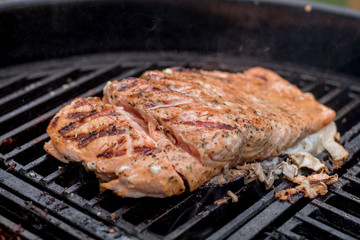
point(34, 164)
point(57, 214)
point(181, 217)
point(13, 82)
point(243, 211)
point(313, 229)
point(29, 151)
point(330, 215)
point(344, 201)
point(342, 89)
point(29, 91)
point(11, 230)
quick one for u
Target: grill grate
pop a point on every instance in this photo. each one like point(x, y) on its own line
point(51, 200)
point(337, 213)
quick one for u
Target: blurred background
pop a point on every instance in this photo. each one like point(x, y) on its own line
point(354, 4)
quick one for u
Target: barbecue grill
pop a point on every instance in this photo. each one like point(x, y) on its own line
point(53, 52)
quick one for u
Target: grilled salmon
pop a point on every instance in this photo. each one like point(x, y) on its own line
point(151, 136)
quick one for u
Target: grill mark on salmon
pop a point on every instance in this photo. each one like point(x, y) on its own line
point(54, 122)
point(69, 127)
point(80, 103)
point(111, 131)
point(85, 139)
point(121, 141)
point(82, 116)
point(128, 84)
point(142, 150)
point(110, 154)
point(146, 150)
point(261, 77)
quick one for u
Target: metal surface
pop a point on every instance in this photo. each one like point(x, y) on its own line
point(51, 200)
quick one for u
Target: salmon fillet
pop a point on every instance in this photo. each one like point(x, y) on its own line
point(196, 123)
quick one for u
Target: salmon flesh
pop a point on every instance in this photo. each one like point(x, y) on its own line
point(168, 130)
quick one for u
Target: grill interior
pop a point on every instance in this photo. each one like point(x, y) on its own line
point(43, 198)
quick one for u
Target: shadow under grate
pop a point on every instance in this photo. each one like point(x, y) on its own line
point(311, 232)
point(48, 166)
point(114, 202)
point(336, 221)
point(91, 189)
point(72, 175)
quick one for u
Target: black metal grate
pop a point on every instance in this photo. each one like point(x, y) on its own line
point(51, 200)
